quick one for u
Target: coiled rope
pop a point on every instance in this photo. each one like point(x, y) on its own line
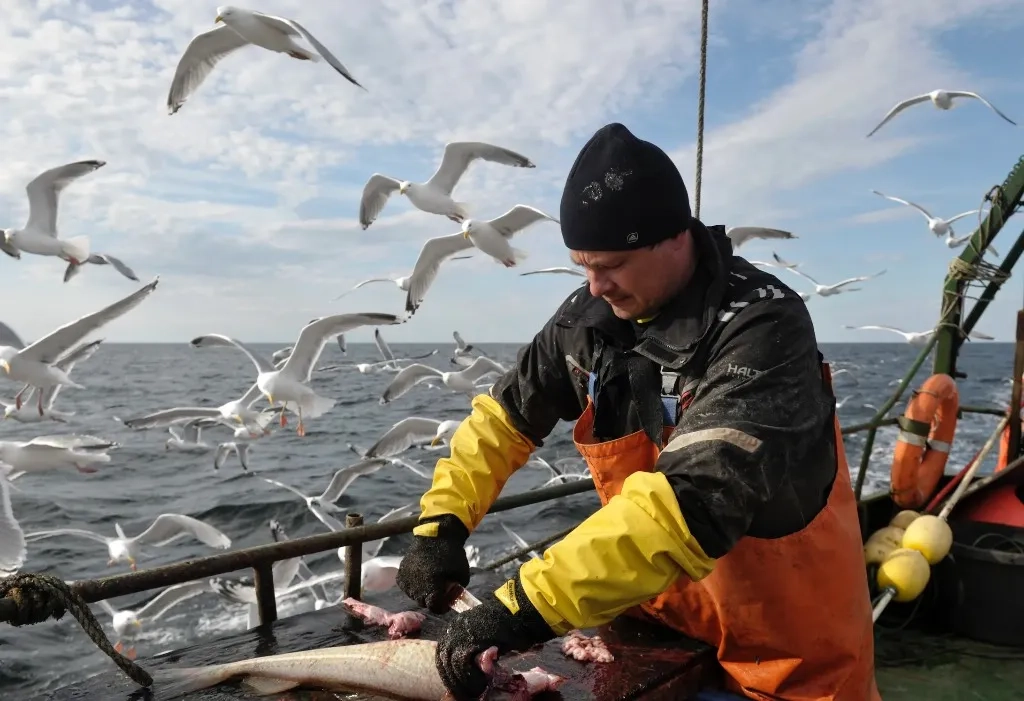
point(39, 597)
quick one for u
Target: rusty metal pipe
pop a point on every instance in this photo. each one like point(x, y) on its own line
point(266, 597)
point(353, 561)
point(93, 590)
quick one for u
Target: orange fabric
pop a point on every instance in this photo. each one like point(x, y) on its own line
point(917, 465)
point(790, 617)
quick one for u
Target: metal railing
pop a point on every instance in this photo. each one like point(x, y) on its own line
point(261, 558)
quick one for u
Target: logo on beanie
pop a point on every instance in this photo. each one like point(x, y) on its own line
point(633, 238)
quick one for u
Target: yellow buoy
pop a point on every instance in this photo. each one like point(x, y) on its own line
point(929, 535)
point(887, 534)
point(904, 518)
point(876, 552)
point(906, 571)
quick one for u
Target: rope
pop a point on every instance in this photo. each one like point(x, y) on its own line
point(700, 104)
point(39, 597)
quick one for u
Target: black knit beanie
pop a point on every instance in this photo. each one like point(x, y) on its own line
point(622, 193)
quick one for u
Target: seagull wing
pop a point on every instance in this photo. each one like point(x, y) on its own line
point(347, 475)
point(517, 219)
point(80, 532)
point(803, 275)
point(383, 347)
point(66, 442)
point(899, 108)
point(216, 339)
point(563, 270)
point(200, 56)
point(50, 347)
point(44, 191)
point(77, 355)
point(403, 435)
point(482, 366)
point(12, 538)
point(459, 154)
point(171, 416)
point(9, 338)
point(433, 253)
point(375, 195)
point(170, 597)
point(859, 278)
point(741, 234)
point(314, 335)
point(460, 344)
point(976, 96)
point(117, 263)
point(169, 527)
point(875, 327)
point(406, 378)
point(285, 25)
point(918, 207)
point(961, 216)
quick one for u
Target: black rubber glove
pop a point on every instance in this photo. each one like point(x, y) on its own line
point(434, 563)
point(487, 625)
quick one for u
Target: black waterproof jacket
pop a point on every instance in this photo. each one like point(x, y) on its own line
point(753, 453)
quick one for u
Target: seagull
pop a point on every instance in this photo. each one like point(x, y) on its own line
point(12, 538)
point(954, 242)
point(829, 290)
point(490, 237)
point(281, 355)
point(463, 348)
point(558, 472)
point(49, 395)
point(34, 365)
point(562, 270)
point(40, 233)
point(236, 413)
point(943, 100)
point(937, 226)
point(128, 622)
point(435, 195)
point(460, 381)
point(409, 432)
point(288, 384)
point(242, 443)
point(188, 438)
point(916, 338)
point(100, 259)
point(165, 529)
point(55, 452)
point(739, 235)
point(237, 28)
point(401, 282)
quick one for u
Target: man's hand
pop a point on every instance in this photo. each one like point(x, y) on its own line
point(492, 623)
point(435, 562)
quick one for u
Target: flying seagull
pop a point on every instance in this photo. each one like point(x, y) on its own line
point(943, 100)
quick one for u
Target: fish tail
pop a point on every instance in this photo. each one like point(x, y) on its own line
point(174, 682)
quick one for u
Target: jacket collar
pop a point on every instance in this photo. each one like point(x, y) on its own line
point(670, 338)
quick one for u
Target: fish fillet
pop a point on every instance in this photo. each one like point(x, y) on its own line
point(399, 624)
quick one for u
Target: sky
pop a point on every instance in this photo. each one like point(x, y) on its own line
point(245, 202)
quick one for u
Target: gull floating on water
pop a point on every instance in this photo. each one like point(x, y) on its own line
point(461, 381)
point(742, 234)
point(165, 529)
point(401, 282)
point(409, 432)
point(491, 237)
point(942, 99)
point(128, 622)
point(561, 269)
point(240, 28)
point(54, 452)
point(936, 225)
point(39, 236)
point(916, 338)
point(100, 259)
point(288, 384)
point(834, 289)
point(34, 364)
point(435, 195)
point(49, 395)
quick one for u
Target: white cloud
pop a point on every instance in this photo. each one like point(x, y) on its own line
point(245, 201)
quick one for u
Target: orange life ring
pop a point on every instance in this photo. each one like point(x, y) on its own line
point(922, 447)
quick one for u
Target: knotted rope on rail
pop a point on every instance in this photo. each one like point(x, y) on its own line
point(39, 597)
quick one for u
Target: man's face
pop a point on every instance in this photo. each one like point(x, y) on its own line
point(636, 283)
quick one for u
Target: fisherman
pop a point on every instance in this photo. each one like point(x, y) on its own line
point(707, 418)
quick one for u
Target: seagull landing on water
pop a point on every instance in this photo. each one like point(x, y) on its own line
point(834, 289)
point(939, 227)
point(240, 28)
point(39, 236)
point(916, 338)
point(491, 237)
point(435, 195)
point(943, 100)
point(741, 234)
